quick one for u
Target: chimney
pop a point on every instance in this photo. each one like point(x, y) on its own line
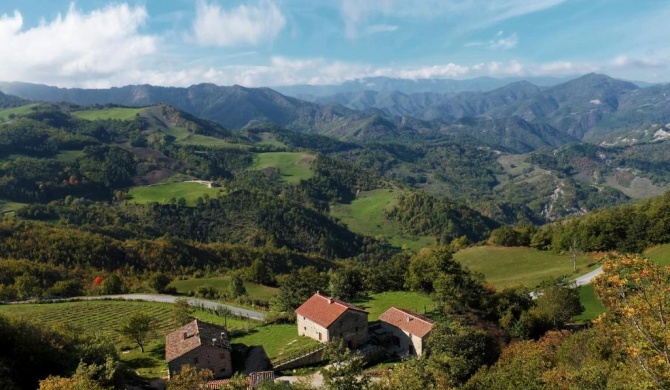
point(330, 300)
point(409, 318)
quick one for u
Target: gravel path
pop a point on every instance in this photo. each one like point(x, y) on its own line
point(588, 278)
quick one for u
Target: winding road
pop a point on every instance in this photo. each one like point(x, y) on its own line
point(588, 278)
point(238, 311)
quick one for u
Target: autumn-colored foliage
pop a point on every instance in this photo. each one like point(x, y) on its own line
point(97, 280)
point(636, 294)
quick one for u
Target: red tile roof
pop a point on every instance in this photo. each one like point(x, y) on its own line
point(408, 321)
point(323, 310)
point(193, 335)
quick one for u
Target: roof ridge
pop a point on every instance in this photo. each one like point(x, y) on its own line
point(413, 314)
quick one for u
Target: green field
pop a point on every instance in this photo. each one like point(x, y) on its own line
point(69, 155)
point(504, 267)
point(659, 254)
point(365, 215)
point(293, 166)
point(376, 304)
point(277, 340)
point(16, 111)
point(119, 113)
point(255, 291)
point(162, 193)
point(184, 137)
point(592, 308)
point(7, 206)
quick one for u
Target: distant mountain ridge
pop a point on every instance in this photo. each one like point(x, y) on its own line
point(517, 117)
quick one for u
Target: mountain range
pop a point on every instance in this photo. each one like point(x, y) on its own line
point(517, 117)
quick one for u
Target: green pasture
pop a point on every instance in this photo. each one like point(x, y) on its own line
point(376, 304)
point(365, 215)
point(504, 267)
point(7, 206)
point(592, 307)
point(184, 137)
point(119, 113)
point(162, 193)
point(659, 254)
point(293, 166)
point(255, 291)
point(16, 111)
point(69, 155)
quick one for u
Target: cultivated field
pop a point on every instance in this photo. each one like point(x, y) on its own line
point(293, 166)
point(119, 113)
point(504, 267)
point(365, 215)
point(162, 193)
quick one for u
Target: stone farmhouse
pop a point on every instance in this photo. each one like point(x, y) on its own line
point(326, 319)
point(200, 345)
point(408, 331)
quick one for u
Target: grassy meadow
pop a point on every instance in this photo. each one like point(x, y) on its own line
point(365, 215)
point(376, 304)
point(162, 193)
point(7, 206)
point(504, 267)
point(592, 308)
point(255, 291)
point(293, 166)
point(184, 137)
point(659, 254)
point(16, 111)
point(118, 113)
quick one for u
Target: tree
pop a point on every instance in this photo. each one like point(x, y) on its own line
point(189, 378)
point(558, 304)
point(27, 286)
point(636, 295)
point(345, 369)
point(298, 286)
point(237, 382)
point(461, 350)
point(76, 382)
point(159, 282)
point(111, 285)
point(138, 329)
point(182, 312)
point(236, 287)
point(346, 284)
point(260, 273)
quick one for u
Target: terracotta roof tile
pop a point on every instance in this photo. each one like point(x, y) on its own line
point(408, 321)
point(323, 310)
point(193, 335)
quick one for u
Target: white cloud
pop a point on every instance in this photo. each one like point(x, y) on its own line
point(75, 46)
point(357, 14)
point(500, 42)
point(248, 24)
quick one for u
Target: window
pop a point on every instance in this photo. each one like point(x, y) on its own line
point(304, 328)
point(196, 360)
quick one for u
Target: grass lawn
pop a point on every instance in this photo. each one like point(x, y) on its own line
point(365, 215)
point(659, 254)
point(255, 291)
point(16, 111)
point(592, 308)
point(504, 267)
point(162, 193)
point(376, 304)
point(293, 166)
point(120, 113)
point(277, 340)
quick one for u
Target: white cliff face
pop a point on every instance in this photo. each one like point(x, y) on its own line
point(561, 203)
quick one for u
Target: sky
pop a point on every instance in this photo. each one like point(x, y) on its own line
point(100, 44)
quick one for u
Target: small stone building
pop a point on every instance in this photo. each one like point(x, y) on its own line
point(200, 345)
point(327, 319)
point(407, 329)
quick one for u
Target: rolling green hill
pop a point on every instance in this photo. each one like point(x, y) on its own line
point(292, 166)
point(506, 267)
point(118, 113)
point(163, 193)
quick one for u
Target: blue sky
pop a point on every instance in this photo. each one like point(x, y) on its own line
point(96, 43)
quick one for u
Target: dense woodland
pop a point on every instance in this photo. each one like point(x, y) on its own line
point(80, 233)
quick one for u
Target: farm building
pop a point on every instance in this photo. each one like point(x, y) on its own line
point(326, 319)
point(408, 331)
point(200, 345)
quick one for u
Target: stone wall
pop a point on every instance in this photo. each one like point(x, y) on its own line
point(217, 359)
